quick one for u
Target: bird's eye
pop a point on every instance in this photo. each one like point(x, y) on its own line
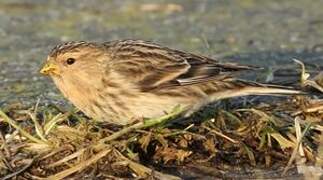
point(70, 61)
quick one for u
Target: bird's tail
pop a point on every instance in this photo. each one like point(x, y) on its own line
point(236, 88)
point(246, 88)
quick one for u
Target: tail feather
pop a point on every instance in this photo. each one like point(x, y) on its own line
point(237, 88)
point(256, 91)
point(247, 88)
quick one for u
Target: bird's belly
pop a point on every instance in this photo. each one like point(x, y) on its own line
point(126, 110)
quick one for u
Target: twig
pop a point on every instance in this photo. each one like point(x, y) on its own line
point(305, 78)
point(67, 158)
point(81, 165)
point(9, 176)
point(4, 143)
point(23, 132)
point(38, 128)
point(304, 75)
point(182, 131)
point(220, 134)
point(143, 170)
point(293, 156)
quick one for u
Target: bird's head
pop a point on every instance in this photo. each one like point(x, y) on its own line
point(76, 66)
point(75, 60)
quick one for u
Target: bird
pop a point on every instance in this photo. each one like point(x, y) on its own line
point(122, 81)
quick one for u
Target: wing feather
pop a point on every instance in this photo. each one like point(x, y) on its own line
point(151, 66)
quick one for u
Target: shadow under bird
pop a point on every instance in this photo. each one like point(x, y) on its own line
point(122, 81)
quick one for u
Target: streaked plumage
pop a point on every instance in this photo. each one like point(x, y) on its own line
point(121, 81)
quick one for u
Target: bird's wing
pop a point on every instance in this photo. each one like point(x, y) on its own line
point(151, 66)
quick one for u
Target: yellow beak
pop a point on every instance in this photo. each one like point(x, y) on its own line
point(49, 68)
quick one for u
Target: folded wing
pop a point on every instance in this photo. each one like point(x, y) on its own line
point(151, 66)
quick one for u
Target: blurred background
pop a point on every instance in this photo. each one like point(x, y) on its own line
point(258, 32)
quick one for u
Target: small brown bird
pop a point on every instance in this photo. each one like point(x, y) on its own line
point(121, 81)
